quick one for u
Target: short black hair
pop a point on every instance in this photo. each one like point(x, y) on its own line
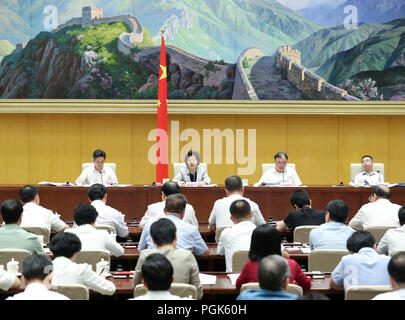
point(97, 192)
point(163, 231)
point(401, 215)
point(360, 239)
point(272, 272)
point(11, 210)
point(367, 156)
point(170, 187)
point(27, 193)
point(99, 153)
point(265, 240)
point(65, 244)
point(233, 183)
point(300, 198)
point(338, 210)
point(84, 213)
point(157, 272)
point(280, 155)
point(382, 191)
point(396, 267)
point(36, 267)
point(240, 209)
point(176, 203)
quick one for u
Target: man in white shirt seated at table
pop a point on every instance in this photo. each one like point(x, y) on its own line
point(107, 215)
point(394, 239)
point(221, 216)
point(368, 177)
point(65, 247)
point(237, 237)
point(280, 173)
point(37, 275)
point(85, 217)
point(380, 211)
point(155, 210)
point(35, 215)
point(97, 173)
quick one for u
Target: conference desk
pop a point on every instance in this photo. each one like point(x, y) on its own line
point(132, 201)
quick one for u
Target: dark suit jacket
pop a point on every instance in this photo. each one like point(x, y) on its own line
point(304, 217)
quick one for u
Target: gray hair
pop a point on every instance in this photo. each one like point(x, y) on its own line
point(273, 271)
point(192, 153)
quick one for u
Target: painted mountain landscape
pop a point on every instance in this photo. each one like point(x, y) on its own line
point(230, 49)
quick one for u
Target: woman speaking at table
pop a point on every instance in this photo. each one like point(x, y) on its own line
point(192, 172)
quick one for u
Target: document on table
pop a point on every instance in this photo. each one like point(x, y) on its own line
point(207, 278)
point(305, 250)
point(47, 183)
point(233, 277)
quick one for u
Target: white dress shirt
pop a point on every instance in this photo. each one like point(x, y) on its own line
point(37, 291)
point(392, 240)
point(289, 175)
point(38, 216)
point(159, 295)
point(6, 280)
point(233, 239)
point(66, 272)
point(221, 216)
point(382, 212)
point(392, 295)
point(155, 211)
point(91, 176)
point(110, 216)
point(93, 239)
point(372, 179)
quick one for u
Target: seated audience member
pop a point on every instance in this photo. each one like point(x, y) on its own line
point(273, 273)
point(107, 215)
point(394, 239)
point(12, 236)
point(368, 177)
point(380, 211)
point(192, 172)
point(157, 277)
point(35, 215)
point(266, 241)
point(65, 247)
point(303, 215)
point(185, 267)
point(188, 236)
point(237, 237)
point(334, 233)
point(396, 271)
point(85, 217)
point(220, 215)
point(363, 267)
point(281, 173)
point(156, 210)
point(8, 281)
point(37, 275)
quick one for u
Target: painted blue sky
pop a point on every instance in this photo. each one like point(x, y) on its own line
point(302, 4)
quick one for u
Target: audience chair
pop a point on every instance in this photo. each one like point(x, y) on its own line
point(325, 260)
point(268, 166)
point(291, 288)
point(239, 258)
point(73, 291)
point(112, 165)
point(295, 289)
point(356, 168)
point(365, 292)
point(178, 165)
point(301, 233)
point(183, 290)
point(39, 231)
point(105, 227)
point(378, 231)
point(218, 232)
point(18, 254)
point(92, 257)
point(394, 252)
point(250, 286)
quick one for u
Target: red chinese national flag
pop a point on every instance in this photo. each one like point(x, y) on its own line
point(162, 170)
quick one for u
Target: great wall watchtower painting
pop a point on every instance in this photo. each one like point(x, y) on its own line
point(347, 50)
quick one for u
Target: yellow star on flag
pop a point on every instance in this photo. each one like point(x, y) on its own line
point(159, 103)
point(164, 72)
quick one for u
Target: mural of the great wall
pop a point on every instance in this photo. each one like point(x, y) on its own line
point(216, 49)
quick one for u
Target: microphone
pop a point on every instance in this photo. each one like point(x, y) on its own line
point(283, 175)
point(101, 175)
point(379, 176)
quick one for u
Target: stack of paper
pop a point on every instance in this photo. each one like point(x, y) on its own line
point(207, 279)
point(233, 277)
